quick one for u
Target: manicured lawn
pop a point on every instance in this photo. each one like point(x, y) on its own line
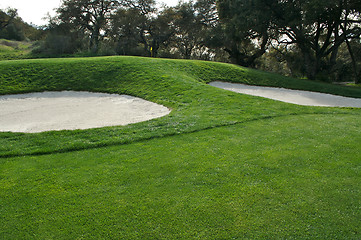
point(221, 166)
point(291, 177)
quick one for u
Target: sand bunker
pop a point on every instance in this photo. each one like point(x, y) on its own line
point(291, 96)
point(68, 110)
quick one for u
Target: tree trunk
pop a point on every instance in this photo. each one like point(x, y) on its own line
point(145, 43)
point(311, 69)
point(356, 74)
point(154, 48)
point(234, 56)
point(94, 40)
point(311, 63)
point(244, 59)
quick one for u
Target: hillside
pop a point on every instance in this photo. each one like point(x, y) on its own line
point(10, 50)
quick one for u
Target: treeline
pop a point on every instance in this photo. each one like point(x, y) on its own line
point(305, 38)
point(316, 38)
point(133, 27)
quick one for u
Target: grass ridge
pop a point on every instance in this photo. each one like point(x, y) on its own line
point(180, 85)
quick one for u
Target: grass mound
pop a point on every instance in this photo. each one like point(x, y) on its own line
point(176, 84)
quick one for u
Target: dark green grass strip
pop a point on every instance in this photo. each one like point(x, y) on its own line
point(107, 143)
point(295, 177)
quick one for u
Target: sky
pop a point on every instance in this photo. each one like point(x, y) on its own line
point(33, 11)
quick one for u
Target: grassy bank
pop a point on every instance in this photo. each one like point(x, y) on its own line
point(177, 84)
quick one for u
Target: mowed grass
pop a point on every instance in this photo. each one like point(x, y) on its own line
point(296, 177)
point(221, 166)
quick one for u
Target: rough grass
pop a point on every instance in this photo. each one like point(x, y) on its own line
point(10, 50)
point(222, 165)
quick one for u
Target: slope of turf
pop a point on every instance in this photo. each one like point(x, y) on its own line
point(292, 177)
point(177, 84)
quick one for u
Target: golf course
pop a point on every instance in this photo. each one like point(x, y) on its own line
point(220, 165)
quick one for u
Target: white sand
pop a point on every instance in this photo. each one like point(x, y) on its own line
point(291, 96)
point(68, 110)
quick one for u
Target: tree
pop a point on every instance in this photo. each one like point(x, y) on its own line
point(61, 38)
point(127, 29)
point(144, 12)
point(7, 17)
point(144, 7)
point(207, 12)
point(318, 28)
point(352, 16)
point(12, 27)
point(188, 29)
point(88, 15)
point(245, 29)
point(161, 29)
point(139, 23)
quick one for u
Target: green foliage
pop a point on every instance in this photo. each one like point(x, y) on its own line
point(12, 32)
point(188, 30)
point(125, 32)
point(246, 28)
point(138, 29)
point(90, 17)
point(317, 28)
point(7, 17)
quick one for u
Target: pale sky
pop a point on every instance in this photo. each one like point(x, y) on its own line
point(32, 11)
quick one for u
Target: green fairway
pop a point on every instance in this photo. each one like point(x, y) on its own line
point(222, 165)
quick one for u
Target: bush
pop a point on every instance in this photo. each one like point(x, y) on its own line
point(57, 44)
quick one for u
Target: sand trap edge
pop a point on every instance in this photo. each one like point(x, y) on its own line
point(71, 110)
point(298, 97)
